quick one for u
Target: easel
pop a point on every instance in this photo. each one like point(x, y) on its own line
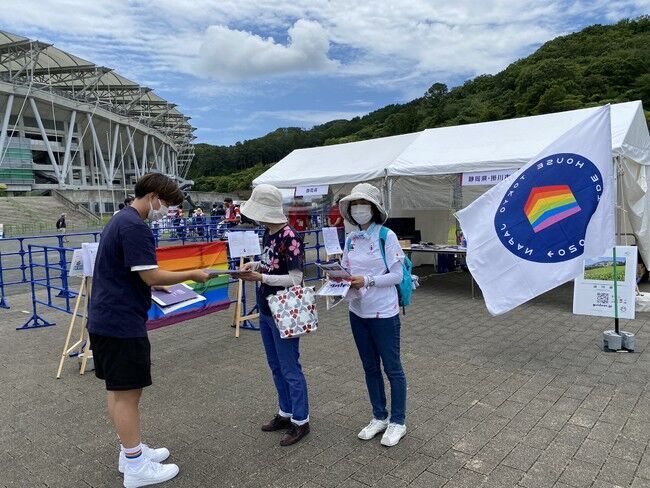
point(82, 346)
point(238, 319)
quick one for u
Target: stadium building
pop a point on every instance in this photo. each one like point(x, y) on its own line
point(80, 129)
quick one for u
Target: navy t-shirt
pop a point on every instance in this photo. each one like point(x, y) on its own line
point(282, 252)
point(120, 300)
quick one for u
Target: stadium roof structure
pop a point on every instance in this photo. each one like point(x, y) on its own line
point(42, 66)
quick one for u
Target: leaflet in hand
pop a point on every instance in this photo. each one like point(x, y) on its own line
point(221, 272)
point(334, 288)
point(333, 269)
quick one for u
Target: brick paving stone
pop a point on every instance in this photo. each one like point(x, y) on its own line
point(540, 476)
point(412, 467)
point(572, 434)
point(594, 452)
point(644, 466)
point(449, 463)
point(618, 471)
point(584, 417)
point(579, 473)
point(428, 480)
point(628, 449)
point(522, 457)
point(539, 437)
point(503, 477)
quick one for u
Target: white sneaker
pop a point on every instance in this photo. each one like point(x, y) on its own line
point(149, 473)
point(155, 455)
point(393, 434)
point(372, 429)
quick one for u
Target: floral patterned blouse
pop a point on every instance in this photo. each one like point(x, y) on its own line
point(281, 252)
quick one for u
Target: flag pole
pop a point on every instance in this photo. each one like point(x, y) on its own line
point(616, 324)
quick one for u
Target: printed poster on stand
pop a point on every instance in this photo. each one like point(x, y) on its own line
point(593, 290)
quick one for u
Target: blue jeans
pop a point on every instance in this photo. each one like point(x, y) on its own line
point(378, 341)
point(283, 356)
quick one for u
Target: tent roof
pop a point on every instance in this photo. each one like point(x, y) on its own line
point(507, 144)
point(502, 144)
point(340, 163)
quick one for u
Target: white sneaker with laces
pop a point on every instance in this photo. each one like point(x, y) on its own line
point(393, 434)
point(372, 429)
point(150, 473)
point(155, 455)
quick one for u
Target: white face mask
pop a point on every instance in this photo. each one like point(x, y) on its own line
point(362, 214)
point(157, 214)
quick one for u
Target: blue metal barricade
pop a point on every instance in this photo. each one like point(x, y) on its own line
point(41, 278)
point(14, 266)
point(48, 267)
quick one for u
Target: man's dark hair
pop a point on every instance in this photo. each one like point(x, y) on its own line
point(120, 206)
point(163, 186)
point(377, 217)
point(227, 200)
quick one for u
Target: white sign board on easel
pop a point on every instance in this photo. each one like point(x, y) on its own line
point(243, 244)
point(593, 291)
point(331, 239)
point(89, 254)
point(77, 264)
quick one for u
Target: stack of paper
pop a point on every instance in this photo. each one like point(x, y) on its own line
point(175, 297)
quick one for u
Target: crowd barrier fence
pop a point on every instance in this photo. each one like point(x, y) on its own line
point(20, 254)
point(48, 268)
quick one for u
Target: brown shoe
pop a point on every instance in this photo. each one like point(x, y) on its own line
point(278, 423)
point(294, 434)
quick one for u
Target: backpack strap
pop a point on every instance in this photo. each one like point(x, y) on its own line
point(383, 235)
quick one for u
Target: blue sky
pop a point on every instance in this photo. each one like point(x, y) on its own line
point(242, 69)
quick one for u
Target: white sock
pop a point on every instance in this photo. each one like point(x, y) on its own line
point(134, 457)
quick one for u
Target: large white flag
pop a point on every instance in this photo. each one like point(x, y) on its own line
point(531, 232)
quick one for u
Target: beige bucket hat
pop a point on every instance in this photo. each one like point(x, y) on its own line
point(363, 191)
point(265, 205)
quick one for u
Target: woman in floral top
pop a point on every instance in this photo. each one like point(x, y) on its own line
point(280, 266)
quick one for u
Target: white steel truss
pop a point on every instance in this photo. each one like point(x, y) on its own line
point(87, 126)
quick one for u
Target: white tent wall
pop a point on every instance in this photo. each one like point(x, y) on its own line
point(632, 192)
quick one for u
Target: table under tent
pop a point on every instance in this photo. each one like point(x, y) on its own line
point(421, 173)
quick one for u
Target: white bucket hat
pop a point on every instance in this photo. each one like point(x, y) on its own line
point(265, 205)
point(363, 191)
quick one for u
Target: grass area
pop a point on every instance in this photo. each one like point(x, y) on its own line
point(605, 273)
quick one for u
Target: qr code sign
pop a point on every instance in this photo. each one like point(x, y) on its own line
point(602, 298)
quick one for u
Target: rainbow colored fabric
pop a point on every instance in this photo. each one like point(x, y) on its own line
point(548, 205)
point(213, 255)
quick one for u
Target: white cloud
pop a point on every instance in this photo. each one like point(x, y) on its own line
point(380, 43)
point(227, 53)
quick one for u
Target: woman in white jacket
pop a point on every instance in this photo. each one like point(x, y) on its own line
point(376, 268)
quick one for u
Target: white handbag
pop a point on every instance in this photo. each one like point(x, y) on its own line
point(294, 311)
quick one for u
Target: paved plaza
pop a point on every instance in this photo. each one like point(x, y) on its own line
point(527, 399)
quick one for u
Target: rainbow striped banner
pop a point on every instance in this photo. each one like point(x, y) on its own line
point(212, 255)
point(548, 205)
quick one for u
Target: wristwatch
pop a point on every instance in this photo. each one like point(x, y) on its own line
point(371, 281)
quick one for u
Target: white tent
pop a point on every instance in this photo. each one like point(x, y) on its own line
point(421, 170)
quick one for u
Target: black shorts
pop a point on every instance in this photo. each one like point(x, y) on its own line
point(125, 364)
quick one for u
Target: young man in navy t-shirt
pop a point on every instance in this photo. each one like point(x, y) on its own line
point(125, 270)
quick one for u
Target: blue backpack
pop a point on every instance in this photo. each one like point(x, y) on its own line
point(405, 287)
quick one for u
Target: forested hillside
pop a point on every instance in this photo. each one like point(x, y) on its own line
point(598, 65)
